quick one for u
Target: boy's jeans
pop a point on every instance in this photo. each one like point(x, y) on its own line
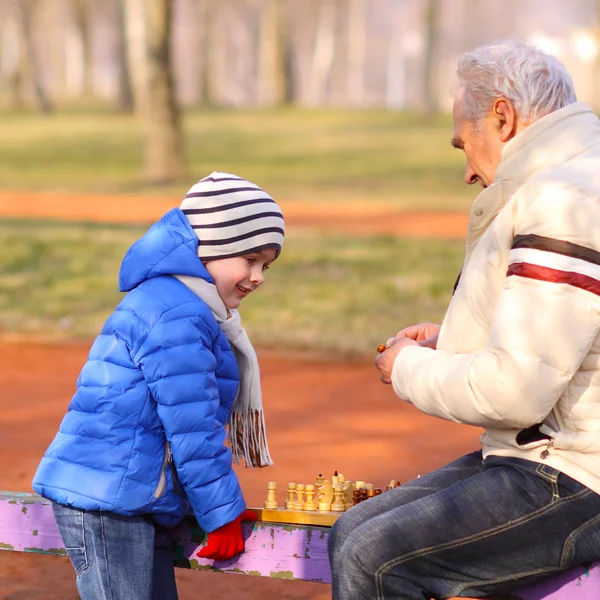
point(115, 557)
point(472, 529)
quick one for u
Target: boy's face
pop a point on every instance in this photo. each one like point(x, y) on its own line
point(236, 277)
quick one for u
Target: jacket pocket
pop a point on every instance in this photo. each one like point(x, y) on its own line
point(162, 479)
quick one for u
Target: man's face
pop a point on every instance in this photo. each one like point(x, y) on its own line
point(482, 143)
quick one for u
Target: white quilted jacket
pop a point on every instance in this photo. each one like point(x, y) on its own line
point(519, 348)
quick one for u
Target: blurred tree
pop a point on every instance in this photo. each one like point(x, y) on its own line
point(149, 28)
point(10, 58)
point(324, 48)
point(80, 50)
point(274, 76)
point(211, 50)
point(125, 93)
point(432, 33)
point(355, 68)
point(29, 74)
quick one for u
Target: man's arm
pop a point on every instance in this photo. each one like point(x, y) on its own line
point(545, 322)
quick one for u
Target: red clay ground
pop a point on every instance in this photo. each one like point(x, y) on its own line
point(321, 416)
point(368, 218)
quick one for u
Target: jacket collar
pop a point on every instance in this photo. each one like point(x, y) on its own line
point(550, 141)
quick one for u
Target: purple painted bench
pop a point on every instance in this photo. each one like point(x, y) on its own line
point(272, 550)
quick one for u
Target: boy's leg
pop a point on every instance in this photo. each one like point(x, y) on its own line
point(514, 523)
point(431, 483)
point(113, 556)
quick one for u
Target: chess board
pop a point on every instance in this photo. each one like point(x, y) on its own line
point(320, 503)
point(298, 517)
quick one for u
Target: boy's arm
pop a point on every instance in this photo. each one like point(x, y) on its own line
point(179, 367)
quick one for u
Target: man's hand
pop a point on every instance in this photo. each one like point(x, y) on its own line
point(385, 361)
point(424, 333)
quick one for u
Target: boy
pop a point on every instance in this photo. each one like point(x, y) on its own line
point(145, 432)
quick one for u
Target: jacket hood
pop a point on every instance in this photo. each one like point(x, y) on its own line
point(169, 247)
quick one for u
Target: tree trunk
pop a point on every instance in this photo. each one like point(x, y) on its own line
point(148, 30)
point(273, 61)
point(125, 93)
point(430, 94)
point(324, 49)
point(30, 68)
point(395, 91)
point(81, 30)
point(355, 73)
point(10, 59)
point(212, 49)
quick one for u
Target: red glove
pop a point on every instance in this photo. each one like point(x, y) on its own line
point(227, 541)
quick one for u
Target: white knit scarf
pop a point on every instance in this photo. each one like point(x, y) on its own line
point(247, 436)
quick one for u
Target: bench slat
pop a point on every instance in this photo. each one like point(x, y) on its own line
point(289, 551)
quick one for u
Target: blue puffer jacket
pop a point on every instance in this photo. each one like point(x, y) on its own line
point(145, 430)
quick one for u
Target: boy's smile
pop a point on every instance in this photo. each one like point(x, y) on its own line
point(238, 276)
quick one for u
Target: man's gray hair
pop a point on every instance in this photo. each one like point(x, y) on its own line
point(536, 83)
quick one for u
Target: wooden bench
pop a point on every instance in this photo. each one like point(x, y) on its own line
point(295, 551)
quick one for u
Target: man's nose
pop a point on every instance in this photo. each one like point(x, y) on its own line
point(470, 175)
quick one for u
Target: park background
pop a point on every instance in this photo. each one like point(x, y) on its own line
point(110, 111)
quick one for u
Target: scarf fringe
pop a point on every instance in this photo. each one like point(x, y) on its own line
point(248, 438)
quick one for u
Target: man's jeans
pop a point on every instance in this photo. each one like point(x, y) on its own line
point(115, 557)
point(472, 528)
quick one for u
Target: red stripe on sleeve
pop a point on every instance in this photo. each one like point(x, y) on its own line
point(584, 282)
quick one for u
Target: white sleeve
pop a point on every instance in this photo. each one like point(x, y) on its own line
point(545, 321)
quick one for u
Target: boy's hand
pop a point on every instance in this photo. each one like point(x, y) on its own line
point(227, 541)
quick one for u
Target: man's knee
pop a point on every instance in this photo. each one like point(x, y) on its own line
point(338, 533)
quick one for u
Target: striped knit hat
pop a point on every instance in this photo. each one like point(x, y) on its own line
point(232, 216)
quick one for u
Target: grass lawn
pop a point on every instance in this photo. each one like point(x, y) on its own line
point(299, 155)
point(329, 293)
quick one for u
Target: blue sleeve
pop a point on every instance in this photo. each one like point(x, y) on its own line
point(179, 366)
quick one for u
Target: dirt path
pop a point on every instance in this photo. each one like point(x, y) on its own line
point(356, 218)
point(321, 416)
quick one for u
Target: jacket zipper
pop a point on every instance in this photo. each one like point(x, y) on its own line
point(162, 480)
point(546, 451)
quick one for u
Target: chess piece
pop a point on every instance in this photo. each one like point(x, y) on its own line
point(363, 495)
point(325, 496)
point(370, 493)
point(271, 501)
point(355, 497)
point(319, 482)
point(392, 484)
point(359, 484)
point(291, 490)
point(299, 496)
point(310, 503)
point(335, 479)
point(338, 504)
point(349, 488)
point(377, 491)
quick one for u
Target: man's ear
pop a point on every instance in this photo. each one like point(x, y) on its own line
point(506, 119)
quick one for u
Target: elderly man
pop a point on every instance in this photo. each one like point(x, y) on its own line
point(518, 354)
